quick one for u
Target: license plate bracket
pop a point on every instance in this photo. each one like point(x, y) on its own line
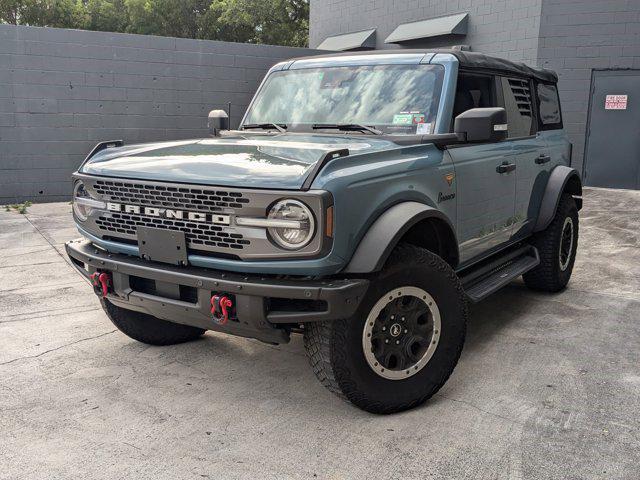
point(162, 245)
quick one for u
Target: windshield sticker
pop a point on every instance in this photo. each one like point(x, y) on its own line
point(423, 128)
point(403, 119)
point(409, 118)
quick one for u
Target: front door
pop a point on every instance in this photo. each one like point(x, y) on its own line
point(485, 176)
point(486, 196)
point(612, 158)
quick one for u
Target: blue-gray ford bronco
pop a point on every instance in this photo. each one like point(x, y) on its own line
point(363, 201)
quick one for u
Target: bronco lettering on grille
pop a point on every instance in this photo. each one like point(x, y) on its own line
point(170, 213)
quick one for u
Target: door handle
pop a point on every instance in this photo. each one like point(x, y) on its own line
point(506, 167)
point(543, 159)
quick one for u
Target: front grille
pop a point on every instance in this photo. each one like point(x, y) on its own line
point(182, 197)
point(196, 234)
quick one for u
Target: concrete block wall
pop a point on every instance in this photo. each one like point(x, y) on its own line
point(506, 27)
point(62, 91)
point(578, 37)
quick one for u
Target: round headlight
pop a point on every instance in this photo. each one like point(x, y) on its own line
point(297, 227)
point(83, 204)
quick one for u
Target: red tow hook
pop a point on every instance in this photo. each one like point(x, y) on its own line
point(101, 282)
point(220, 306)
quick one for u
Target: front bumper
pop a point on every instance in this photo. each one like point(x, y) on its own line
point(265, 306)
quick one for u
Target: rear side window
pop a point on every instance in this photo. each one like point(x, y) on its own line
point(516, 95)
point(549, 107)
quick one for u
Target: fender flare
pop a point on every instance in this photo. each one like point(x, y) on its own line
point(385, 233)
point(562, 178)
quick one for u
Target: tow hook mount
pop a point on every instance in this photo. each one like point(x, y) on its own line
point(221, 308)
point(101, 282)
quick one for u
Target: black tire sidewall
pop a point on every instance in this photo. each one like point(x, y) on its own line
point(354, 374)
point(569, 210)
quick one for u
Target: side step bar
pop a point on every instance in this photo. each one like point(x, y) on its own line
point(484, 280)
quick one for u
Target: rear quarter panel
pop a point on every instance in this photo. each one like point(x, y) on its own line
point(558, 145)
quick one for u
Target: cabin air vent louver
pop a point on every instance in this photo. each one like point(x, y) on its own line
point(522, 94)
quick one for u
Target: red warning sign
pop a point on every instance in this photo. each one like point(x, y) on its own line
point(615, 102)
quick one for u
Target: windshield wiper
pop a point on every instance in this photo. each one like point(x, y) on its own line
point(346, 127)
point(266, 126)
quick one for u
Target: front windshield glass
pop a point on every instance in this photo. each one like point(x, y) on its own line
point(395, 99)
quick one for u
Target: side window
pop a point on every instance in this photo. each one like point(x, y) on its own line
point(549, 107)
point(474, 91)
point(516, 95)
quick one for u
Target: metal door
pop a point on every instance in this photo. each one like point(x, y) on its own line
point(612, 158)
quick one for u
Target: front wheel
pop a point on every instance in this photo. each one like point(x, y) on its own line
point(403, 342)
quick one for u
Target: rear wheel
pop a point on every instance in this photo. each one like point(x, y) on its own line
point(556, 246)
point(148, 329)
point(403, 342)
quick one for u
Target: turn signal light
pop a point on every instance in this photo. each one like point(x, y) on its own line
point(329, 225)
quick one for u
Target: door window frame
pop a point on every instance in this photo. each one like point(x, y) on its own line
point(468, 72)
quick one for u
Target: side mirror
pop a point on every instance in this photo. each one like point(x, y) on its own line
point(482, 125)
point(218, 120)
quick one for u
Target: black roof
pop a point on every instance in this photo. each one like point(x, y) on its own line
point(485, 62)
point(474, 60)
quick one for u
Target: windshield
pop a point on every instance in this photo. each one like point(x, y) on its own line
point(395, 99)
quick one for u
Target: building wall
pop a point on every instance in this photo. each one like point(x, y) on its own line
point(62, 91)
point(579, 36)
point(506, 27)
point(572, 37)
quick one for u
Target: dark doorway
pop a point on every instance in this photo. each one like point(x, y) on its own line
point(612, 157)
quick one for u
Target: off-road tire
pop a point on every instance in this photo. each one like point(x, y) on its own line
point(549, 276)
point(335, 348)
point(148, 329)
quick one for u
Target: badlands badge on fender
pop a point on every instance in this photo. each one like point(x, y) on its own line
point(449, 178)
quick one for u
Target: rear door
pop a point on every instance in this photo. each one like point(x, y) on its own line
point(530, 152)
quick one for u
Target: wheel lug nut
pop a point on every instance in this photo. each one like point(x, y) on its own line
point(397, 342)
point(405, 330)
point(403, 319)
point(386, 341)
point(384, 328)
point(393, 317)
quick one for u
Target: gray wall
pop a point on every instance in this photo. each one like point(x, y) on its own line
point(507, 27)
point(580, 36)
point(570, 37)
point(62, 91)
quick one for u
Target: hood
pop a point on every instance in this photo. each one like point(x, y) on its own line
point(248, 160)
